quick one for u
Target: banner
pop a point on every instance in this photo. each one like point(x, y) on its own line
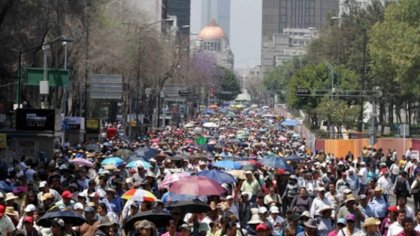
point(92, 126)
point(35, 119)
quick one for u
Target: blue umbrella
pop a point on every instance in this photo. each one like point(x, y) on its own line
point(228, 164)
point(116, 161)
point(274, 162)
point(173, 197)
point(218, 176)
point(294, 157)
point(290, 122)
point(7, 187)
point(137, 163)
point(151, 152)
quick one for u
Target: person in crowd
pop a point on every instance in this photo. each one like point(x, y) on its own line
point(350, 228)
point(302, 202)
point(370, 227)
point(397, 227)
point(341, 224)
point(319, 202)
point(408, 228)
point(415, 189)
point(378, 204)
point(324, 221)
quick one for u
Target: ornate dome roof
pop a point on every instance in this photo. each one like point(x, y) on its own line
point(211, 32)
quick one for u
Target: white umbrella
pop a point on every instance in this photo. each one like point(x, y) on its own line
point(210, 125)
point(189, 125)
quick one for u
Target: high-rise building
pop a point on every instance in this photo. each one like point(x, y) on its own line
point(154, 11)
point(218, 10)
point(182, 10)
point(288, 25)
point(280, 14)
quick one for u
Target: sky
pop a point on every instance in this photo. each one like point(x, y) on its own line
point(245, 30)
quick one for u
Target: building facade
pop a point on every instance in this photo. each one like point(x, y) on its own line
point(213, 41)
point(289, 25)
point(218, 10)
point(182, 10)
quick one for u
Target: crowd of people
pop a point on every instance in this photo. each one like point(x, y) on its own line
point(82, 192)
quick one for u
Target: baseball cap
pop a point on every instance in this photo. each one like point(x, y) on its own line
point(262, 227)
point(30, 208)
point(350, 217)
point(341, 221)
point(78, 206)
point(42, 184)
point(2, 210)
point(28, 219)
point(67, 194)
point(274, 209)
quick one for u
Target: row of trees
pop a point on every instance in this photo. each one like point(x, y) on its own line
point(108, 37)
point(367, 47)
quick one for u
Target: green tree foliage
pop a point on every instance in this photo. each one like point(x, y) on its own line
point(318, 78)
point(229, 86)
point(277, 80)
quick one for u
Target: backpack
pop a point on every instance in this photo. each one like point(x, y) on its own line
point(401, 188)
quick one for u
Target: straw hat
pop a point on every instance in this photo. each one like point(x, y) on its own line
point(310, 224)
point(325, 208)
point(10, 196)
point(255, 219)
point(11, 211)
point(371, 221)
point(350, 197)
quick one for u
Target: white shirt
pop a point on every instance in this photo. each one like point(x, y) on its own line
point(394, 229)
point(277, 223)
point(385, 183)
point(409, 212)
point(363, 176)
point(317, 204)
point(6, 225)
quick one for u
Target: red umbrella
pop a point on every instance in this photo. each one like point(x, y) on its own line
point(196, 186)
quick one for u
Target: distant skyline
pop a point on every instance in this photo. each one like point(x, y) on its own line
point(245, 30)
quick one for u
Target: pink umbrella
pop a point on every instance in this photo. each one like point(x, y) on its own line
point(155, 140)
point(196, 186)
point(81, 162)
point(282, 139)
point(168, 180)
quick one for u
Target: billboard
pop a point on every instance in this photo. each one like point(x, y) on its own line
point(35, 119)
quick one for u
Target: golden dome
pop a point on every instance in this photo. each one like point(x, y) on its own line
point(211, 32)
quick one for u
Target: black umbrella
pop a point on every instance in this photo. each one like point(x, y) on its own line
point(67, 216)
point(178, 157)
point(159, 218)
point(190, 206)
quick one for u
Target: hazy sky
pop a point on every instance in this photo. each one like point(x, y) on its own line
point(245, 29)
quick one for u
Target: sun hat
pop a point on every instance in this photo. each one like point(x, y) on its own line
point(10, 196)
point(30, 208)
point(144, 224)
point(249, 194)
point(350, 198)
point(11, 211)
point(310, 224)
point(42, 184)
point(106, 221)
point(255, 219)
point(89, 209)
point(371, 221)
point(378, 189)
point(47, 196)
point(78, 206)
point(305, 214)
point(325, 208)
point(262, 210)
point(362, 196)
point(185, 226)
point(294, 217)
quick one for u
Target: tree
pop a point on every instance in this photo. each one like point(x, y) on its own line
point(395, 52)
point(228, 87)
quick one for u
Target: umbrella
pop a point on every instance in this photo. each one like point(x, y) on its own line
point(268, 115)
point(139, 195)
point(67, 216)
point(116, 161)
point(189, 125)
point(191, 206)
point(290, 122)
point(151, 152)
point(218, 176)
point(227, 164)
point(274, 162)
point(177, 157)
point(137, 163)
point(6, 186)
point(124, 153)
point(282, 139)
point(210, 125)
point(81, 162)
point(249, 164)
point(169, 179)
point(294, 157)
point(159, 218)
point(197, 156)
point(196, 186)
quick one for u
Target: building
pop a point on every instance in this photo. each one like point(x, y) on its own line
point(218, 10)
point(212, 40)
point(280, 47)
point(182, 10)
point(154, 11)
point(288, 25)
